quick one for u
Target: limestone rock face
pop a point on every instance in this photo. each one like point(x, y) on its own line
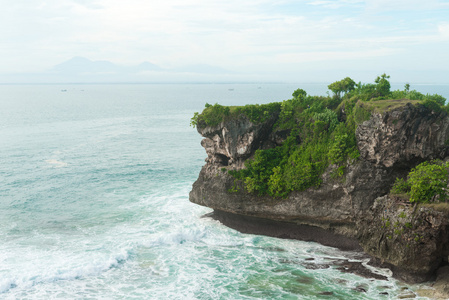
point(232, 142)
point(412, 241)
point(390, 145)
point(403, 136)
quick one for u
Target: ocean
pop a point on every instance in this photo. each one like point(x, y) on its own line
point(94, 184)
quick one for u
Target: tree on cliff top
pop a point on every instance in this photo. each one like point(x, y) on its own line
point(343, 86)
point(299, 93)
point(383, 85)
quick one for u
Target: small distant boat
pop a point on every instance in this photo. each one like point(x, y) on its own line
point(63, 90)
point(230, 89)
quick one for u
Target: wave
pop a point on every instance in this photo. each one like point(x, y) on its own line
point(179, 237)
point(41, 276)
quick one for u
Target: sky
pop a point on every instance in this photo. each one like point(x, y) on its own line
point(249, 40)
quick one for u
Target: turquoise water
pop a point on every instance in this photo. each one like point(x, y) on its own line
point(94, 183)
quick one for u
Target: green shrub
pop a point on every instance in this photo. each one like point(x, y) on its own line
point(329, 117)
point(362, 112)
point(277, 184)
point(339, 149)
point(258, 171)
point(401, 186)
point(213, 115)
point(433, 105)
point(429, 181)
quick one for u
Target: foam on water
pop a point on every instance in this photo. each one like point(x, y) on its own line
point(94, 204)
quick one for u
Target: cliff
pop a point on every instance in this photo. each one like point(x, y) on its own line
point(355, 207)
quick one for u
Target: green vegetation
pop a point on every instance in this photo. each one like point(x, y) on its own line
point(213, 115)
point(343, 86)
point(427, 182)
point(321, 132)
point(317, 138)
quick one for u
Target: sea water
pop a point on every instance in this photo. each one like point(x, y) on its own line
point(94, 184)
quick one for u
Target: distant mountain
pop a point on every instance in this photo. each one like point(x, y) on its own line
point(147, 66)
point(203, 69)
point(83, 70)
point(83, 66)
point(79, 65)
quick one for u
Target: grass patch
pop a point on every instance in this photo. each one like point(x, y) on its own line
point(441, 206)
point(381, 106)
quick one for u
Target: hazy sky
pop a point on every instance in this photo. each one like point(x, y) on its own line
point(254, 39)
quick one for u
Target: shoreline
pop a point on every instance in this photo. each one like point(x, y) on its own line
point(436, 289)
point(285, 230)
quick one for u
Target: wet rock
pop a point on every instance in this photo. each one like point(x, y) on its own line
point(407, 295)
point(360, 289)
point(442, 281)
point(326, 294)
point(311, 266)
point(358, 269)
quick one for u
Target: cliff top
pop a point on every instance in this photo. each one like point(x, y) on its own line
point(382, 106)
point(308, 134)
point(378, 98)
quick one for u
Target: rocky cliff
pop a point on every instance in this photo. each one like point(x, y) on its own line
point(390, 143)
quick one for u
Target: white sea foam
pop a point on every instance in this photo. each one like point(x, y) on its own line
point(33, 275)
point(178, 237)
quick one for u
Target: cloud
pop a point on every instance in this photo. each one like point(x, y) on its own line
point(234, 34)
point(335, 4)
point(405, 5)
point(443, 29)
point(304, 57)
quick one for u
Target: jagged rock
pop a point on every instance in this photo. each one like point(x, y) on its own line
point(412, 241)
point(403, 136)
point(233, 142)
point(407, 295)
point(442, 282)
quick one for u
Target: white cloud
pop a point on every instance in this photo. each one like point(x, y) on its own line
point(404, 5)
point(443, 29)
point(334, 55)
point(334, 4)
point(236, 35)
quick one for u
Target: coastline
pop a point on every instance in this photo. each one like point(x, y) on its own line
point(436, 289)
point(285, 230)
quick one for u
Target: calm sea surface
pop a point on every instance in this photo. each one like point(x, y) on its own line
point(94, 183)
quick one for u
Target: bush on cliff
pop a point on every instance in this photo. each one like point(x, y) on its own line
point(317, 138)
point(427, 182)
point(213, 115)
